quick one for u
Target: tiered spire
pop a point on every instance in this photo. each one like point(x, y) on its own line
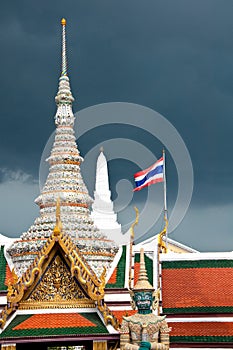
point(102, 207)
point(65, 182)
point(142, 284)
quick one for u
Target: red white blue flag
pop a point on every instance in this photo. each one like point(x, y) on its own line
point(150, 176)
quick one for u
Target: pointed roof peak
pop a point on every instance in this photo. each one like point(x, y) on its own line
point(142, 284)
point(64, 55)
point(64, 96)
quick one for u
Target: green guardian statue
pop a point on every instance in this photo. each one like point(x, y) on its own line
point(144, 330)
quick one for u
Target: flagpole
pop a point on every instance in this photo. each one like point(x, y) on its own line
point(165, 192)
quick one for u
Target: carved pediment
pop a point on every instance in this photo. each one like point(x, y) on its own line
point(57, 287)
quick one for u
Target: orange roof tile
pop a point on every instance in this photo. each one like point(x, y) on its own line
point(195, 329)
point(136, 271)
point(197, 287)
point(120, 313)
point(59, 320)
point(113, 278)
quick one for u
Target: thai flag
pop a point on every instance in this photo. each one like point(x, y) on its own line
point(149, 176)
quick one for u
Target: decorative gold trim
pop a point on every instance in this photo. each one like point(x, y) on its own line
point(63, 22)
point(79, 268)
point(161, 244)
point(131, 278)
point(4, 315)
point(107, 315)
point(69, 304)
point(134, 224)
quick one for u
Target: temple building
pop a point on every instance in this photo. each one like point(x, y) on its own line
point(74, 280)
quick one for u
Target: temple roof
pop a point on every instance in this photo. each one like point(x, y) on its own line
point(59, 278)
point(204, 285)
point(55, 324)
point(201, 332)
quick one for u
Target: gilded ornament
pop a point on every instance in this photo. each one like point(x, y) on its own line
point(63, 22)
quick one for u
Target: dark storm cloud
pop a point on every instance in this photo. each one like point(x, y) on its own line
point(173, 56)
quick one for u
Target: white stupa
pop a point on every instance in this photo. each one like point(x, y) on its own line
point(102, 209)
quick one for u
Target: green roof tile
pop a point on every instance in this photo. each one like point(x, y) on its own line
point(3, 264)
point(120, 277)
point(200, 339)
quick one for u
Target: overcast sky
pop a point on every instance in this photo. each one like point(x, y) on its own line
point(175, 57)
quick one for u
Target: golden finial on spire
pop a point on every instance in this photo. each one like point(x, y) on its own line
point(63, 22)
point(135, 223)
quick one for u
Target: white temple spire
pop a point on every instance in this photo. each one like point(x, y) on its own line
point(102, 182)
point(102, 208)
point(65, 182)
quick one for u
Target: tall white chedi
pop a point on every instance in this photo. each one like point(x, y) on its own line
point(102, 208)
point(64, 181)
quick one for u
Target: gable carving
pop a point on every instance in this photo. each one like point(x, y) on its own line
point(57, 284)
point(57, 288)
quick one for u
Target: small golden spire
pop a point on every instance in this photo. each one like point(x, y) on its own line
point(58, 228)
point(131, 247)
point(142, 284)
point(63, 22)
point(134, 223)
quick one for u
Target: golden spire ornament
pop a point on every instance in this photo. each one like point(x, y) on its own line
point(142, 284)
point(58, 228)
point(63, 22)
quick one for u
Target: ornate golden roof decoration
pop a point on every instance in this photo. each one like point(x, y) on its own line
point(79, 269)
point(134, 224)
point(58, 228)
point(63, 22)
point(107, 315)
point(162, 247)
point(131, 246)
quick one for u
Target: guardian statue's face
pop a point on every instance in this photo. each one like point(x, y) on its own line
point(143, 301)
